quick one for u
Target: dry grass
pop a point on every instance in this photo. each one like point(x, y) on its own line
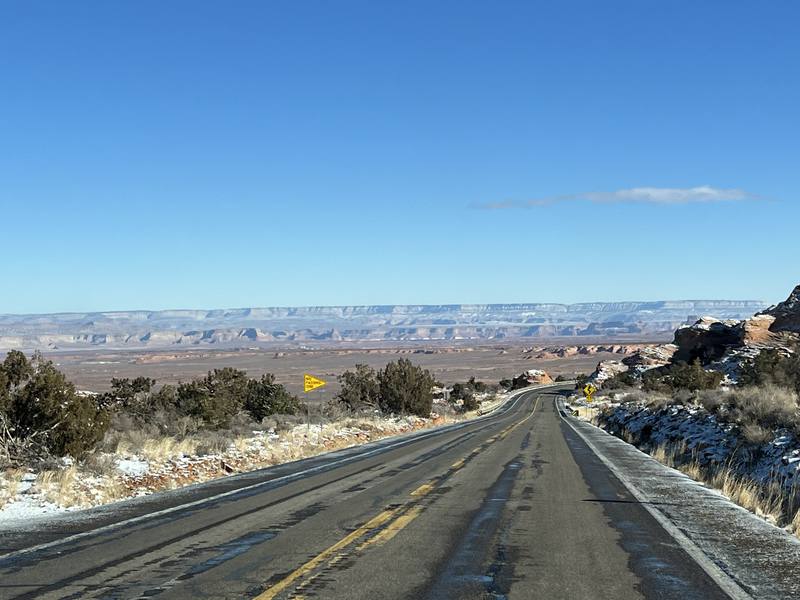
point(672, 454)
point(99, 464)
point(794, 524)
point(242, 444)
point(767, 406)
point(768, 502)
point(756, 434)
point(160, 449)
point(693, 470)
point(765, 502)
point(9, 485)
point(587, 413)
point(58, 486)
point(663, 454)
point(97, 480)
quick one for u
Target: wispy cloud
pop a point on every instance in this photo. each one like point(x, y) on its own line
point(641, 195)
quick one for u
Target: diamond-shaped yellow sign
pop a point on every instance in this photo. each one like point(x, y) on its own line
point(311, 383)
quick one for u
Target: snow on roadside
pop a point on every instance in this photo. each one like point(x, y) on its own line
point(132, 466)
point(32, 495)
point(710, 441)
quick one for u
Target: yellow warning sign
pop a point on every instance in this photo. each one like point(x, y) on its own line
point(311, 383)
point(588, 391)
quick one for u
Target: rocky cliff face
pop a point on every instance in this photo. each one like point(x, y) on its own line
point(725, 344)
point(786, 315)
point(246, 327)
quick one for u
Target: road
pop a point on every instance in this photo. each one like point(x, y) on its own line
point(514, 505)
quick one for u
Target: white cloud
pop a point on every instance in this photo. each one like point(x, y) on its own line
point(641, 195)
point(703, 193)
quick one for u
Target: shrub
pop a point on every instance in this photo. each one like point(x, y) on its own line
point(5, 391)
point(679, 376)
point(360, 388)
point(406, 388)
point(44, 405)
point(264, 397)
point(459, 391)
point(215, 399)
point(580, 380)
point(17, 368)
point(476, 386)
point(768, 407)
point(772, 366)
point(471, 403)
point(466, 393)
point(619, 381)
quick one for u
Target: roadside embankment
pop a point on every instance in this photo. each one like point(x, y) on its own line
point(758, 470)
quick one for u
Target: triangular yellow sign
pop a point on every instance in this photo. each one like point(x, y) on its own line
point(311, 383)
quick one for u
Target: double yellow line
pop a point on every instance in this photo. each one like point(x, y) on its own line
point(387, 523)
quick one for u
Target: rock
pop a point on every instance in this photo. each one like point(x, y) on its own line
point(650, 357)
point(606, 369)
point(532, 377)
point(786, 313)
point(707, 340)
point(756, 331)
point(725, 346)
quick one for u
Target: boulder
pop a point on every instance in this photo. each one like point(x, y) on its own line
point(707, 340)
point(606, 369)
point(756, 331)
point(531, 377)
point(650, 357)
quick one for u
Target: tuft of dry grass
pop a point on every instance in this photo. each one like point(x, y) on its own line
point(657, 401)
point(209, 442)
point(58, 486)
point(100, 464)
point(756, 434)
point(663, 454)
point(794, 524)
point(765, 502)
point(693, 470)
point(160, 449)
point(242, 444)
point(672, 454)
point(9, 485)
point(768, 502)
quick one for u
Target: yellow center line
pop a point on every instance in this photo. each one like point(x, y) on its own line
point(393, 528)
point(401, 520)
point(283, 584)
point(423, 489)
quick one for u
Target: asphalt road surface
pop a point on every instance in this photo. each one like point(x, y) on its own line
point(514, 505)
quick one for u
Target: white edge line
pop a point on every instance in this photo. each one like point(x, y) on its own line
point(726, 583)
point(515, 396)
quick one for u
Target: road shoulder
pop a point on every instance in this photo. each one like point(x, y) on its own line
point(744, 554)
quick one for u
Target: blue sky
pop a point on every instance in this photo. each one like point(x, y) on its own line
point(196, 154)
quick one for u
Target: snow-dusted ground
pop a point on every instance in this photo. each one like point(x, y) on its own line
point(27, 504)
point(710, 441)
point(169, 465)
